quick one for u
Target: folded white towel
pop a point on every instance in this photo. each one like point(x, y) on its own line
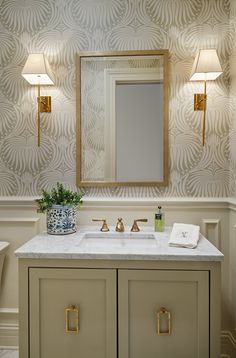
point(184, 235)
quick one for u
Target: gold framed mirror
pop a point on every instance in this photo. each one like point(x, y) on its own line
point(122, 118)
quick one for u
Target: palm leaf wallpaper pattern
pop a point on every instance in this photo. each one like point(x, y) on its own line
point(61, 29)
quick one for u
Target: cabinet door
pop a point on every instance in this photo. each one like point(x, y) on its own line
point(184, 295)
point(93, 292)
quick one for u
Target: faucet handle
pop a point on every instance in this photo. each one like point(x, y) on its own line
point(104, 227)
point(135, 227)
point(120, 226)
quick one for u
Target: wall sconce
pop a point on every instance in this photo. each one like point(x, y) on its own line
point(206, 67)
point(38, 72)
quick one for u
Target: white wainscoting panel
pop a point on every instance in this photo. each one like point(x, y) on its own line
point(210, 228)
point(16, 229)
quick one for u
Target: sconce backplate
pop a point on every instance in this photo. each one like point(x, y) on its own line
point(200, 101)
point(44, 103)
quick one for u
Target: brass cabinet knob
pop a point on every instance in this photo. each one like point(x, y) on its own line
point(104, 227)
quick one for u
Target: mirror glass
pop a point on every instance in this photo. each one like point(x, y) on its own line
point(122, 124)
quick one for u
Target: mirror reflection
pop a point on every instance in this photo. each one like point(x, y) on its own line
point(122, 132)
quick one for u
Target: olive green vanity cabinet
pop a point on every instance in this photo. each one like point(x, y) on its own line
point(163, 314)
point(119, 309)
point(72, 313)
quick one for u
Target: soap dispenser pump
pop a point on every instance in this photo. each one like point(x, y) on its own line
point(159, 220)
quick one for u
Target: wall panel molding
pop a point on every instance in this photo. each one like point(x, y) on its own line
point(212, 235)
point(8, 222)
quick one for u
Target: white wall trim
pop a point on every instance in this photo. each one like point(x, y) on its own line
point(9, 328)
point(14, 311)
point(17, 202)
point(173, 203)
point(232, 203)
point(30, 201)
point(9, 315)
point(19, 219)
point(204, 230)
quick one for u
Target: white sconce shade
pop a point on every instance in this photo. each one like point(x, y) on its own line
point(206, 66)
point(37, 70)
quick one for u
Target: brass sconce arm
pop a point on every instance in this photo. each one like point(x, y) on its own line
point(38, 72)
point(206, 67)
point(200, 104)
point(44, 105)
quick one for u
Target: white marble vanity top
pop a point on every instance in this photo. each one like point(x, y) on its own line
point(73, 246)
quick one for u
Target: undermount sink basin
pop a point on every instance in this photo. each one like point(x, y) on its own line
point(106, 240)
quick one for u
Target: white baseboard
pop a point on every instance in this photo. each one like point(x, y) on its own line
point(9, 334)
point(9, 328)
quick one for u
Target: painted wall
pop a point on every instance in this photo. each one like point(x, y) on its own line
point(61, 29)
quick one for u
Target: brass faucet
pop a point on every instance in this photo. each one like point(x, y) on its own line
point(104, 227)
point(135, 227)
point(120, 226)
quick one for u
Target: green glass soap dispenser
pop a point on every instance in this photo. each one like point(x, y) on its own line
point(159, 220)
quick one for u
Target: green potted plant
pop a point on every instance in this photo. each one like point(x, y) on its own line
point(60, 205)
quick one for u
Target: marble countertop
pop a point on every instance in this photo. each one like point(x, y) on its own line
point(134, 247)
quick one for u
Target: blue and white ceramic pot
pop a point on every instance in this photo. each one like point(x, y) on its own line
point(61, 220)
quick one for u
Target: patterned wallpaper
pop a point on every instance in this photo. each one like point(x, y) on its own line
point(232, 129)
point(61, 29)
